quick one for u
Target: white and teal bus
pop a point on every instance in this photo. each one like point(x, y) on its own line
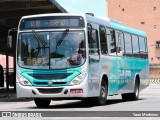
point(68, 56)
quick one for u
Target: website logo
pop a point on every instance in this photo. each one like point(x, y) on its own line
point(6, 114)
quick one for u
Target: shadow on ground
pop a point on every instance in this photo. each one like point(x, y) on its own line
point(80, 104)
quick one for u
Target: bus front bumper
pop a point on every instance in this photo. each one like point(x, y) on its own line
point(77, 91)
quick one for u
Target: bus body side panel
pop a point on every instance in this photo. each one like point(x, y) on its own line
point(94, 79)
point(125, 79)
point(125, 70)
point(109, 65)
point(140, 68)
point(144, 74)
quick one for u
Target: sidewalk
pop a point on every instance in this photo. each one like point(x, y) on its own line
point(10, 96)
point(7, 94)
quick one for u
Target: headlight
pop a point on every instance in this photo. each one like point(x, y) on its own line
point(23, 81)
point(79, 79)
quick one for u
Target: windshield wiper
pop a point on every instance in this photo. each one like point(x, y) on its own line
point(62, 37)
point(40, 40)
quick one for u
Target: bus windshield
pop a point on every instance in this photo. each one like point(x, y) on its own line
point(51, 50)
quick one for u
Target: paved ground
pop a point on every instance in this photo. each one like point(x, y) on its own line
point(149, 101)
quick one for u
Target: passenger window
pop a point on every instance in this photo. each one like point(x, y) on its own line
point(102, 31)
point(146, 50)
point(111, 41)
point(142, 44)
point(128, 45)
point(93, 46)
point(119, 43)
point(135, 43)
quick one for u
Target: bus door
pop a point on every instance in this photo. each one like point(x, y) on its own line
point(113, 69)
point(94, 62)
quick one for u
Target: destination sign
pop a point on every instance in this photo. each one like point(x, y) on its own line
point(52, 22)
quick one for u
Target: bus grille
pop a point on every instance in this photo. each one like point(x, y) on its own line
point(50, 76)
point(50, 91)
point(54, 83)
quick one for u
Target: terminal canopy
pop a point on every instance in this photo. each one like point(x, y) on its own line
point(12, 10)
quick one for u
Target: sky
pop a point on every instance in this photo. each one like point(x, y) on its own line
point(98, 7)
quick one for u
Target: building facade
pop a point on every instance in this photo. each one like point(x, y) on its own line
point(143, 15)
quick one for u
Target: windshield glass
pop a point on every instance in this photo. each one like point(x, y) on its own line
point(51, 50)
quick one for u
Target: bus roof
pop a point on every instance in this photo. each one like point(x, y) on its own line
point(99, 20)
point(115, 25)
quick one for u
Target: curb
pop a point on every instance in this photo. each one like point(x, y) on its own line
point(13, 98)
point(8, 96)
point(5, 94)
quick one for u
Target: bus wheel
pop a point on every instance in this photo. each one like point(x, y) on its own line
point(42, 103)
point(101, 100)
point(134, 95)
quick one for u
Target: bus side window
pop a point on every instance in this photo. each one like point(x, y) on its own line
point(146, 50)
point(119, 43)
point(103, 41)
point(142, 47)
point(93, 46)
point(128, 45)
point(135, 43)
point(111, 41)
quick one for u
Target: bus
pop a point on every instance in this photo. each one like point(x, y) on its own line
point(79, 57)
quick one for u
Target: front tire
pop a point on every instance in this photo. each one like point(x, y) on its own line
point(102, 99)
point(42, 103)
point(132, 96)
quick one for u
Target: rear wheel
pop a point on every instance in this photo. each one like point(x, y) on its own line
point(42, 103)
point(134, 95)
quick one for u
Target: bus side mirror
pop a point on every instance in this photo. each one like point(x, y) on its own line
point(9, 42)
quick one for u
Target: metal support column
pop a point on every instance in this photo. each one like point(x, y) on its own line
point(9, 44)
